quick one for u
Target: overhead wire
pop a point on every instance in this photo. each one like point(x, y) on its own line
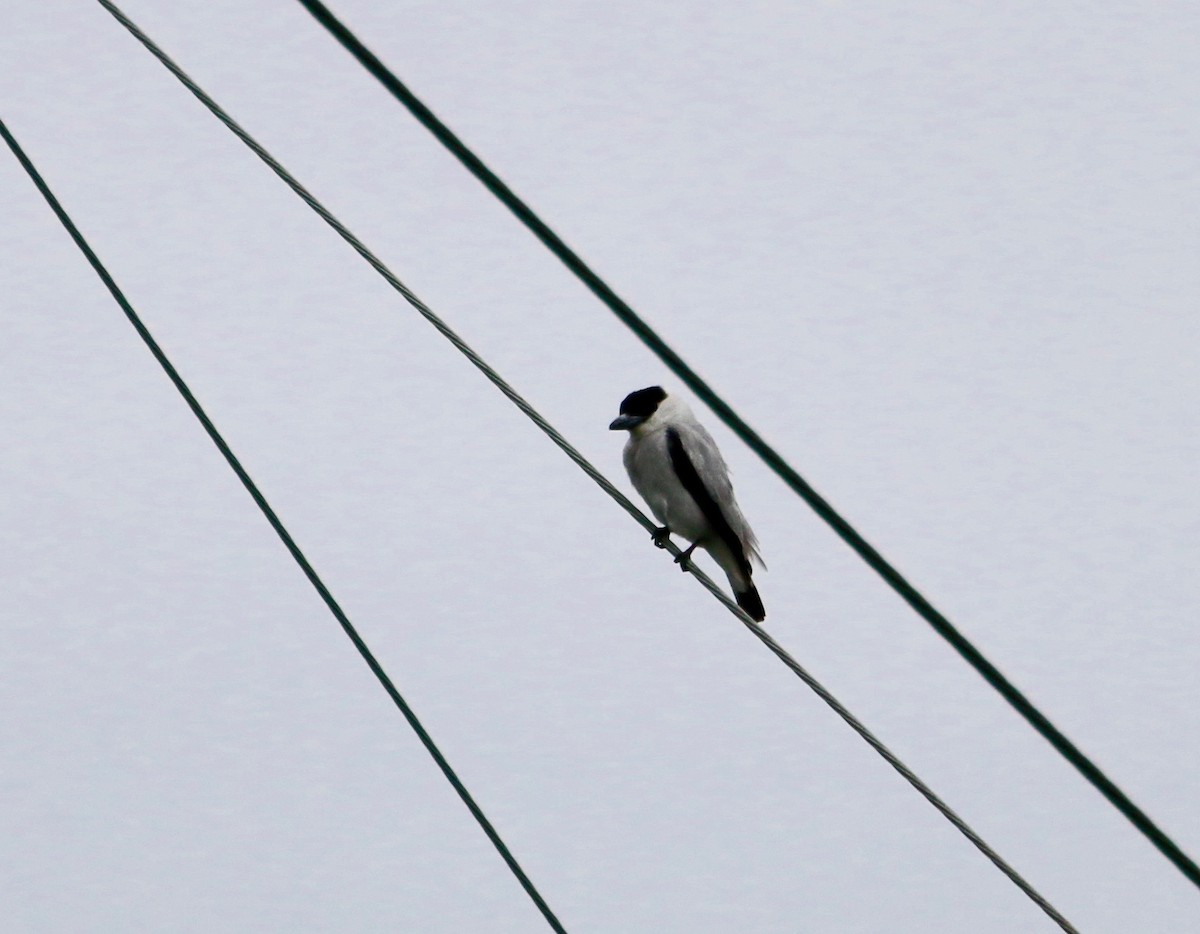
point(494, 377)
point(874, 559)
point(290, 543)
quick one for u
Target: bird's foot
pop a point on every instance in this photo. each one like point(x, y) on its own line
point(684, 559)
point(661, 537)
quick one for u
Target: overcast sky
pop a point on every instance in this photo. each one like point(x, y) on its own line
point(943, 257)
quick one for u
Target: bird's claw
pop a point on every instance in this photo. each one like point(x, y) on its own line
point(684, 559)
point(662, 538)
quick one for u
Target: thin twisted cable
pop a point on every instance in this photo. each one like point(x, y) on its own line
point(283, 533)
point(587, 467)
point(940, 623)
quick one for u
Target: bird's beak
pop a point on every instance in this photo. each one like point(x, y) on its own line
point(625, 422)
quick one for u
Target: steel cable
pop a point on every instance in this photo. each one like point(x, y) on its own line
point(282, 532)
point(580, 460)
point(915, 599)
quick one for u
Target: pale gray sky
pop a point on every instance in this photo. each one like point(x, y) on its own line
point(943, 257)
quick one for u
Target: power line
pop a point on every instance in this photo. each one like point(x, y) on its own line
point(940, 623)
point(282, 532)
point(582, 462)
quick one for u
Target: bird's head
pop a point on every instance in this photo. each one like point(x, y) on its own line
point(638, 408)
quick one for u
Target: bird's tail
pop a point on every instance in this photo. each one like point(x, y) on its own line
point(749, 600)
point(737, 569)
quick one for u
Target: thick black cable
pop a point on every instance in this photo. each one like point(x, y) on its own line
point(769, 455)
point(282, 532)
point(602, 481)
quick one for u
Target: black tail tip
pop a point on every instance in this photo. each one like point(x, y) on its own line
point(751, 602)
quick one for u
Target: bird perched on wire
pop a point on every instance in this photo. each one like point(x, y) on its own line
point(675, 466)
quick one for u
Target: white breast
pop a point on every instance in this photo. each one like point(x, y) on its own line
point(649, 465)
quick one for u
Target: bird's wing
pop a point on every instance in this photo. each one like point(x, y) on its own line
point(703, 474)
point(715, 476)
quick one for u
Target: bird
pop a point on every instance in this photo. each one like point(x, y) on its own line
point(675, 466)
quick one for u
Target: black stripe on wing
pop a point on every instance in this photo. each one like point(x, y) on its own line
point(686, 471)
